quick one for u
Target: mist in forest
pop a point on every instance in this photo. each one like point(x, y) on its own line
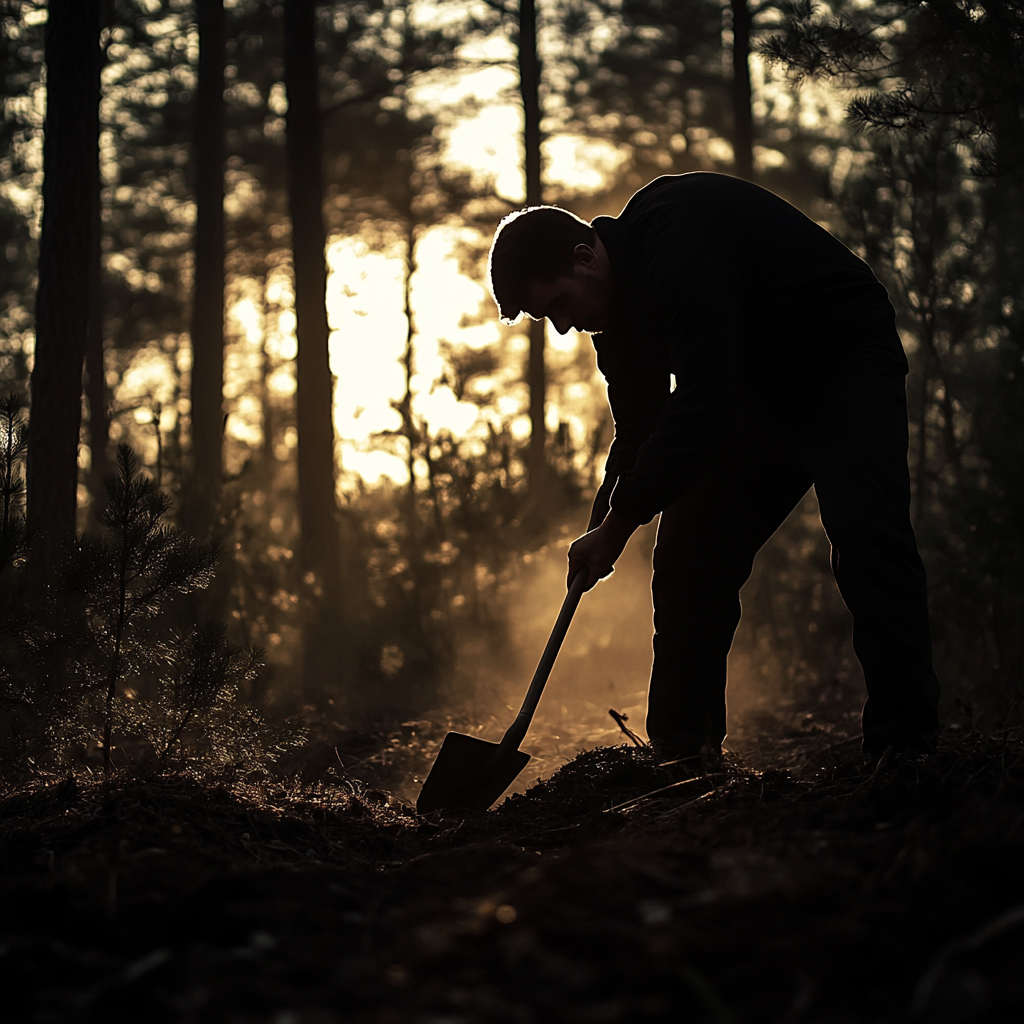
point(785, 652)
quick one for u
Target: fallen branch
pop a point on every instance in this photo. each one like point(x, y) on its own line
point(621, 720)
point(663, 789)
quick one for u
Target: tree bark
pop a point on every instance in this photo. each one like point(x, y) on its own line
point(96, 391)
point(207, 398)
point(742, 118)
point(70, 162)
point(529, 87)
point(320, 545)
point(408, 360)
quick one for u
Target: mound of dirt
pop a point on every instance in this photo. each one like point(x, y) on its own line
point(616, 890)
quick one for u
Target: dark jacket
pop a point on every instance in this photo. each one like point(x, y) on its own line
point(737, 295)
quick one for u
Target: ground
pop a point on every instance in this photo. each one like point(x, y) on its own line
point(807, 887)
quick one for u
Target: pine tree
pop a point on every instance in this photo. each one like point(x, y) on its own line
point(320, 544)
point(207, 394)
point(932, 191)
point(124, 577)
point(70, 159)
point(197, 706)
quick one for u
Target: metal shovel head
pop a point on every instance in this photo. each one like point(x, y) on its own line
point(468, 775)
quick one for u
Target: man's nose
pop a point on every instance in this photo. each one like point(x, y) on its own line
point(561, 324)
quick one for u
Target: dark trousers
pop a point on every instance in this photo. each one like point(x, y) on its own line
point(847, 438)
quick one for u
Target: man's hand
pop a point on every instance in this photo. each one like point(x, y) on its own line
point(598, 550)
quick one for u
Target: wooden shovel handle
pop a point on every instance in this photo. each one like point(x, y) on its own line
point(517, 730)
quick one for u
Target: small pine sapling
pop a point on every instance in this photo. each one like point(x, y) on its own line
point(197, 710)
point(126, 576)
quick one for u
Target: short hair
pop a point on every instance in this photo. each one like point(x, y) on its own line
point(535, 244)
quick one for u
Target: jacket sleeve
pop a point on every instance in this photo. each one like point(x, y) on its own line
point(638, 386)
point(691, 282)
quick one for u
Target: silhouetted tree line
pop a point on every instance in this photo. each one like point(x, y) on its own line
point(930, 183)
point(191, 148)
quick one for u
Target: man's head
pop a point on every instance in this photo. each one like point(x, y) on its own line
point(548, 262)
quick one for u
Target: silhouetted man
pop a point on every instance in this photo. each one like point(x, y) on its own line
point(788, 373)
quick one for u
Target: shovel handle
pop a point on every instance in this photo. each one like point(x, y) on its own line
point(516, 732)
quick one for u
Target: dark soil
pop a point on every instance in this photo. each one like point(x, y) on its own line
point(845, 893)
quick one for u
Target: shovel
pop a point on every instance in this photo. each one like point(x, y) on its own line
point(470, 773)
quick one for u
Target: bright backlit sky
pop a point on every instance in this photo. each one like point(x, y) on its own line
point(365, 300)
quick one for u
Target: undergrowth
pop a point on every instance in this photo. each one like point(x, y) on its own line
point(93, 671)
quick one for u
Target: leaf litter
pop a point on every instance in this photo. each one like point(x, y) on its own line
point(810, 888)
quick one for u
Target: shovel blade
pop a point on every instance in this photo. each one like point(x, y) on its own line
point(468, 775)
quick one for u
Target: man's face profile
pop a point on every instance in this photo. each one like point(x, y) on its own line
point(580, 302)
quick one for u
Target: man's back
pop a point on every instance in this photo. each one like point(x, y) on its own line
point(709, 260)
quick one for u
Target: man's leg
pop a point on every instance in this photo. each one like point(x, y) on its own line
point(706, 546)
point(858, 454)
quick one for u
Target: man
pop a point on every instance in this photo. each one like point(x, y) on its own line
point(788, 372)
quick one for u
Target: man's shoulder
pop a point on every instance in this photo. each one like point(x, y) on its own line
point(671, 188)
point(664, 201)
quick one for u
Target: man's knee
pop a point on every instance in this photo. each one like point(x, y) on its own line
point(700, 565)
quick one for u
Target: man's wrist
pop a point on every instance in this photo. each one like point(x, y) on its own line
point(619, 525)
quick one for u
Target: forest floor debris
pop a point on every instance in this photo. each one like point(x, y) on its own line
point(807, 888)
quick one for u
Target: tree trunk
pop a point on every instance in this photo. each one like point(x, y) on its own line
point(70, 161)
point(408, 360)
point(268, 425)
point(320, 545)
point(96, 388)
point(529, 87)
point(96, 391)
point(207, 396)
point(742, 119)
point(921, 470)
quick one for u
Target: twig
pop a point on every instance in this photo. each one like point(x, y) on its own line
point(663, 789)
point(620, 721)
point(676, 809)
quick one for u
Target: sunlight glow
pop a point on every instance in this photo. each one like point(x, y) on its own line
point(454, 323)
point(369, 328)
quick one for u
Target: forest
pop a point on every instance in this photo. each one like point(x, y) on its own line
point(282, 503)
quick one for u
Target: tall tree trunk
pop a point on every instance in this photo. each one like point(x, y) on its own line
point(529, 87)
point(321, 555)
point(207, 397)
point(268, 425)
point(742, 119)
point(408, 359)
point(919, 493)
point(96, 390)
point(70, 161)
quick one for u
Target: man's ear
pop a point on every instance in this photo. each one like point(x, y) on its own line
point(583, 255)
